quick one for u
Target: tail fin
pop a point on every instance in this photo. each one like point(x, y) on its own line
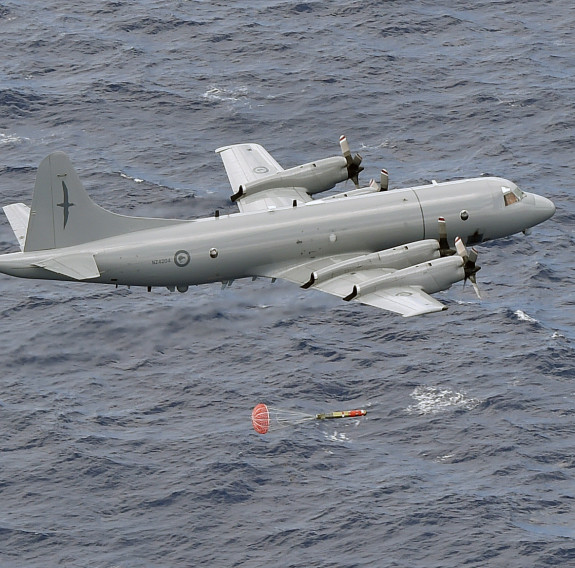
point(63, 215)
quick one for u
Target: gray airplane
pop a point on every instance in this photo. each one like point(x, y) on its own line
point(386, 248)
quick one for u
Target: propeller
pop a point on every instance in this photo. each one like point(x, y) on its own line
point(469, 259)
point(353, 164)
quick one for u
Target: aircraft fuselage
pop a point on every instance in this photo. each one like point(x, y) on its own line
point(242, 245)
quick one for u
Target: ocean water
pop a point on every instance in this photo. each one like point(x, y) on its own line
point(126, 438)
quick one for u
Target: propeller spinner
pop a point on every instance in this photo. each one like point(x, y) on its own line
point(353, 163)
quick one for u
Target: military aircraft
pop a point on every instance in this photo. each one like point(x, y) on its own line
point(385, 248)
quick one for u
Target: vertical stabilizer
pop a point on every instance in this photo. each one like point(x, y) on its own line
point(63, 215)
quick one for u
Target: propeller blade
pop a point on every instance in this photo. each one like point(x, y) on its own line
point(345, 148)
point(475, 286)
point(472, 255)
point(374, 185)
point(444, 247)
point(384, 184)
point(461, 250)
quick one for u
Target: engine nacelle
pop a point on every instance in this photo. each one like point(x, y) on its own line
point(431, 277)
point(314, 177)
point(396, 258)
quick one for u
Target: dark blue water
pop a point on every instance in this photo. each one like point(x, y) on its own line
point(125, 432)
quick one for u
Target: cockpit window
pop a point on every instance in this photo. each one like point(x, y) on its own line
point(512, 195)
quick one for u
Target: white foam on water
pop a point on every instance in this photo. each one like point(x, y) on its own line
point(432, 400)
point(134, 179)
point(11, 139)
point(337, 437)
point(229, 95)
point(522, 316)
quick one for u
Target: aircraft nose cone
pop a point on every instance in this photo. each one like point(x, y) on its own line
point(545, 208)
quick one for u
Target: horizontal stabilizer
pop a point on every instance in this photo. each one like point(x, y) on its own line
point(18, 215)
point(81, 266)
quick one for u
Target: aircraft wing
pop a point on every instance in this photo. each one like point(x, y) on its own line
point(407, 298)
point(408, 301)
point(248, 163)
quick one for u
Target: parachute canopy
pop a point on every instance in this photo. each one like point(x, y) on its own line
point(261, 418)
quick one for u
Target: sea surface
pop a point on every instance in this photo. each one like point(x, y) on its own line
point(125, 431)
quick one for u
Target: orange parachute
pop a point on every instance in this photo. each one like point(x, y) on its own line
point(263, 417)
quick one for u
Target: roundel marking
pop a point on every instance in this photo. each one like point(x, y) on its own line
point(182, 258)
point(260, 170)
